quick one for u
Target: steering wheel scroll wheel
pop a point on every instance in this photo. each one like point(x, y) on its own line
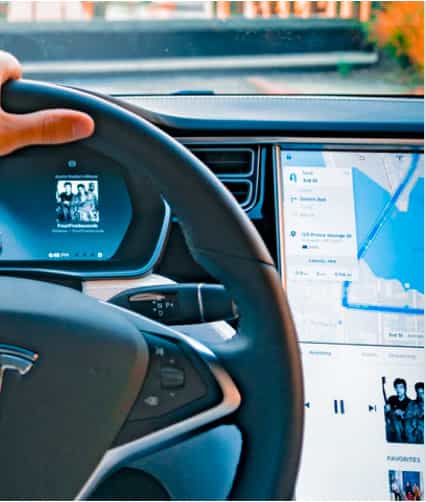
point(77, 415)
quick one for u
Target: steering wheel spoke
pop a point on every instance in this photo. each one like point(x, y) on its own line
point(185, 389)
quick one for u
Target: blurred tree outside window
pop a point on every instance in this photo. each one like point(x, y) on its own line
point(399, 29)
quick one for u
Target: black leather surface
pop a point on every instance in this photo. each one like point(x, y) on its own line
point(264, 358)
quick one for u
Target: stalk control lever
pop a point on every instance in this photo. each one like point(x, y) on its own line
point(179, 303)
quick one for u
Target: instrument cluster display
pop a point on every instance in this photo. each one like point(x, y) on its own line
point(72, 210)
point(76, 211)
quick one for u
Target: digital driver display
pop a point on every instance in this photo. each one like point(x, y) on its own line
point(352, 227)
point(77, 211)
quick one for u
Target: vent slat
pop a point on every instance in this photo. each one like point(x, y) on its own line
point(227, 162)
point(241, 190)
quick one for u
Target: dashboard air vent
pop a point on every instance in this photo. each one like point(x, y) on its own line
point(228, 162)
point(237, 168)
point(241, 190)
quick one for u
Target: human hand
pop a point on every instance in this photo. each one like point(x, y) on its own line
point(47, 127)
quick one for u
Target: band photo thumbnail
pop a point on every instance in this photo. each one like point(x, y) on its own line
point(404, 410)
point(77, 202)
point(406, 485)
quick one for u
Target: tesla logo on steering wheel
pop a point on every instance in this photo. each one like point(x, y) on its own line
point(14, 358)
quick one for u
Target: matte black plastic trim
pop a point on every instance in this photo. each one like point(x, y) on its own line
point(344, 115)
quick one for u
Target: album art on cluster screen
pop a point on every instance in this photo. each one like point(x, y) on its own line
point(353, 268)
point(77, 202)
point(77, 215)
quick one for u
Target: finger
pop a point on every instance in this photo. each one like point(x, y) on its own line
point(48, 127)
point(9, 67)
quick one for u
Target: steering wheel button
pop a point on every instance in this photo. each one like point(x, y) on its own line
point(172, 377)
point(174, 380)
point(152, 401)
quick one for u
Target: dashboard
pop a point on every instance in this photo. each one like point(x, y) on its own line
point(335, 186)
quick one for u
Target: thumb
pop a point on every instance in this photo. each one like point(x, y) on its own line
point(46, 127)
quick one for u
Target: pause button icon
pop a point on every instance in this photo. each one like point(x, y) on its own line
point(339, 407)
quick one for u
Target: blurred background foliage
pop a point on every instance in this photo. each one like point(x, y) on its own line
point(398, 28)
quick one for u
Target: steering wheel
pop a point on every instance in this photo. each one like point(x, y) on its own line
point(73, 369)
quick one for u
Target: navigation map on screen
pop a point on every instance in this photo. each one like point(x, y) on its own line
point(354, 233)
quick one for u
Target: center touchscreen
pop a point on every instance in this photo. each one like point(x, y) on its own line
point(76, 211)
point(353, 266)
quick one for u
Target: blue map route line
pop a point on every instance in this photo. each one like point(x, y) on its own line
point(375, 230)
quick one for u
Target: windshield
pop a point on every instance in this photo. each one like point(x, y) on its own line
point(206, 47)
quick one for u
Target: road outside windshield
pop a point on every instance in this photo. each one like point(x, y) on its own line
point(242, 47)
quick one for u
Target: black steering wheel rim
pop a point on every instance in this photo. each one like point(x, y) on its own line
point(264, 358)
